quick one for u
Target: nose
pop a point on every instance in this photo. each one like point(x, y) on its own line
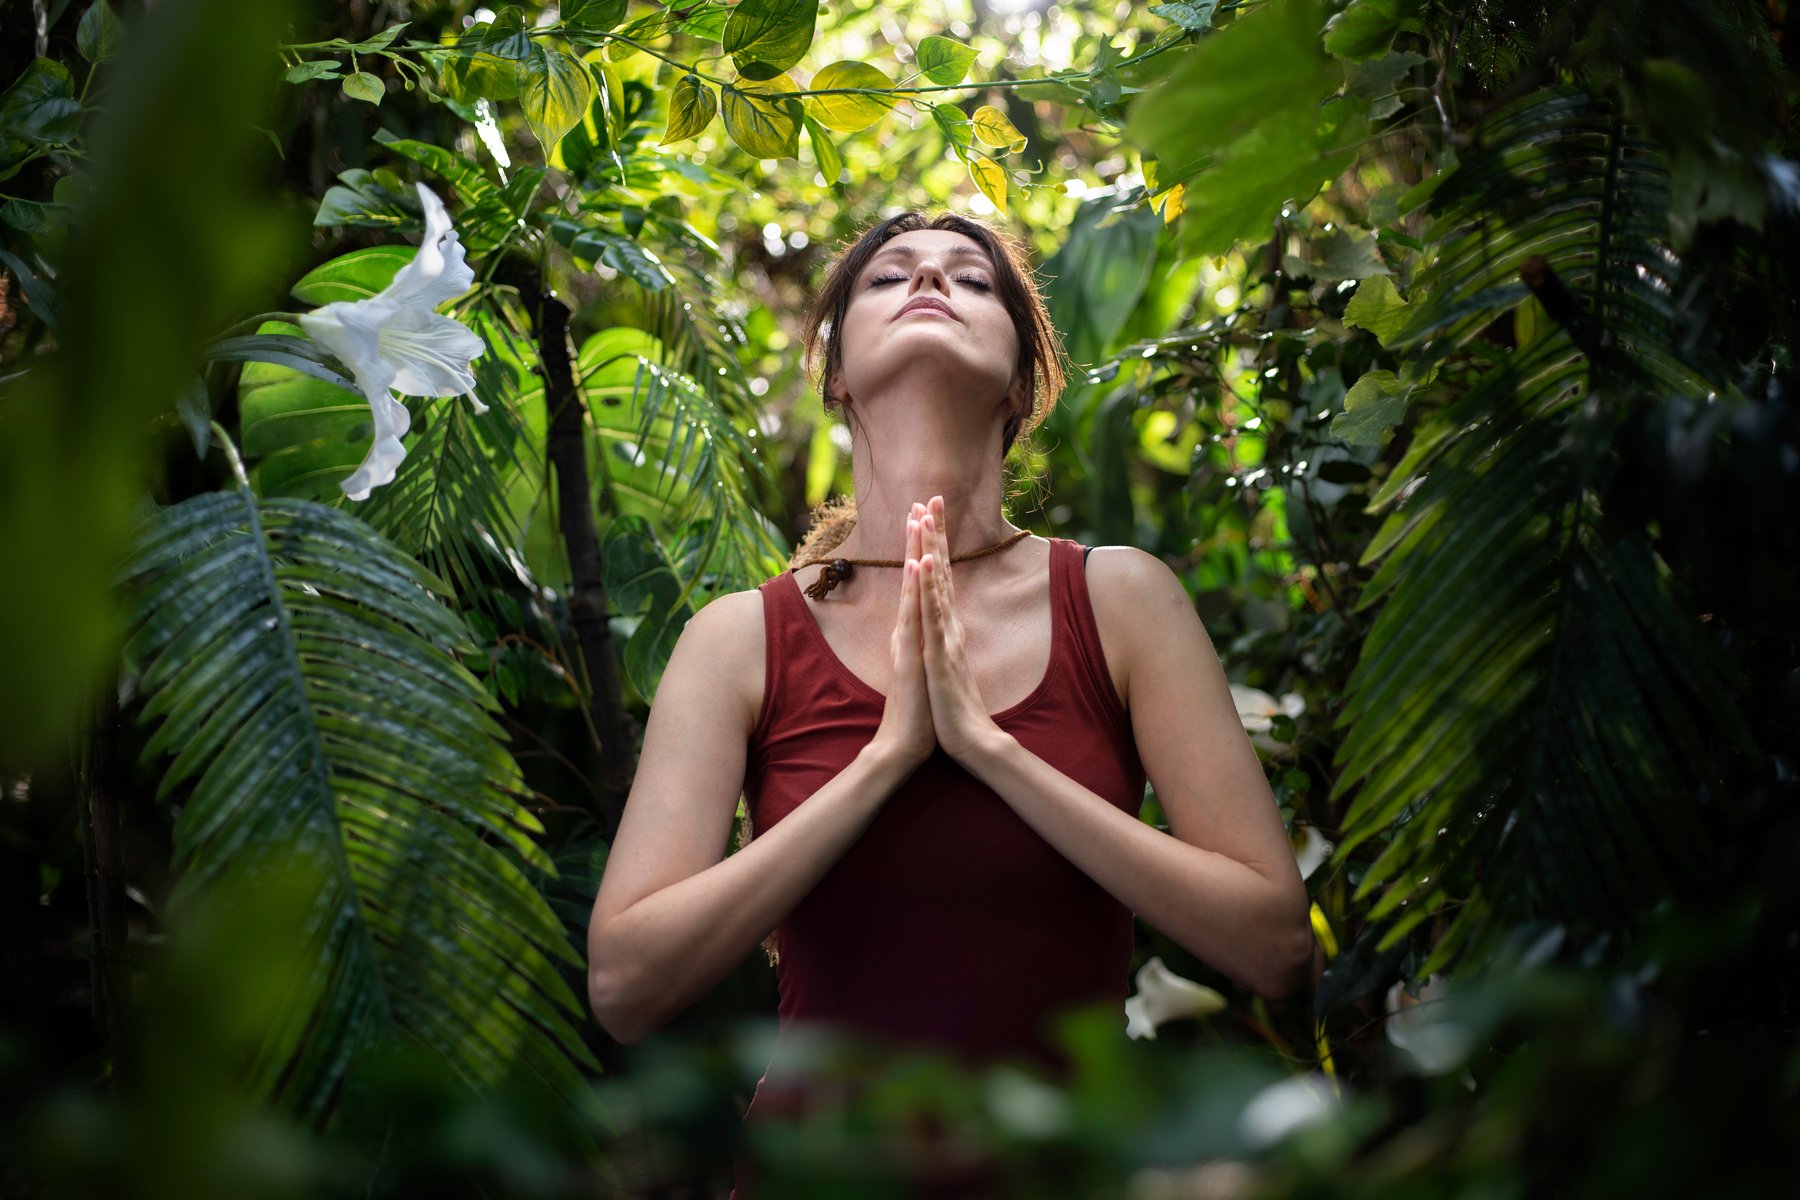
point(928, 276)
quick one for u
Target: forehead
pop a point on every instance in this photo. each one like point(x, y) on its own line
point(908, 247)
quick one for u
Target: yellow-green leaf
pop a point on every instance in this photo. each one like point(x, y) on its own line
point(1170, 202)
point(993, 129)
point(555, 91)
point(364, 86)
point(945, 61)
point(990, 177)
point(691, 109)
point(831, 163)
point(765, 125)
point(851, 112)
point(1378, 308)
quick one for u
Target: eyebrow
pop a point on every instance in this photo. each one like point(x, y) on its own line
point(907, 252)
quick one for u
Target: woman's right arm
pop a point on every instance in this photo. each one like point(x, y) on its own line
point(675, 914)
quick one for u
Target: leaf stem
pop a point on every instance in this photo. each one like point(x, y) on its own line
point(231, 456)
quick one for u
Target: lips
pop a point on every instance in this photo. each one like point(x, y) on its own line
point(931, 302)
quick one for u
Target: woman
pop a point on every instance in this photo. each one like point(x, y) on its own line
point(943, 766)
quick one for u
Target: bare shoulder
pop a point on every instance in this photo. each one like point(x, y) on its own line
point(723, 643)
point(1124, 578)
point(1133, 594)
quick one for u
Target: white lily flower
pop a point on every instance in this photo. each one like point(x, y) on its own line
point(1286, 1106)
point(1257, 710)
point(1310, 849)
point(1163, 996)
point(396, 341)
point(1424, 1029)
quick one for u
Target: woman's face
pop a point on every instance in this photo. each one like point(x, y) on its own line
point(927, 305)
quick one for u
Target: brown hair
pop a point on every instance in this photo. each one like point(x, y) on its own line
point(1041, 353)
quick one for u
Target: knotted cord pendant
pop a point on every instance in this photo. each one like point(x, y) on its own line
point(836, 571)
point(839, 569)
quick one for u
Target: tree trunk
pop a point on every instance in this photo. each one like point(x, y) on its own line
point(566, 451)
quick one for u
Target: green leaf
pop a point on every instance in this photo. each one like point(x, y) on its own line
point(1098, 277)
point(1196, 15)
point(322, 68)
point(1246, 185)
point(955, 125)
point(364, 86)
point(99, 34)
point(990, 177)
point(468, 76)
point(945, 61)
point(382, 40)
point(555, 90)
point(639, 579)
point(1377, 307)
point(849, 113)
point(40, 106)
point(993, 128)
point(766, 37)
point(353, 276)
point(594, 16)
point(290, 350)
point(505, 36)
point(360, 199)
point(691, 109)
point(1367, 27)
point(766, 126)
point(1339, 255)
point(648, 27)
point(831, 163)
point(1376, 403)
point(591, 243)
point(707, 23)
point(1263, 66)
point(32, 216)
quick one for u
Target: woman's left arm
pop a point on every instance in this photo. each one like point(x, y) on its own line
point(1225, 885)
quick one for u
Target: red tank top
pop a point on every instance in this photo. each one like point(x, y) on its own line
point(949, 922)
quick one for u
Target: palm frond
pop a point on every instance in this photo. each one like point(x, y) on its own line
point(308, 686)
point(678, 455)
point(1535, 706)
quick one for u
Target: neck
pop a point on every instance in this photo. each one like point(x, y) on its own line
point(936, 451)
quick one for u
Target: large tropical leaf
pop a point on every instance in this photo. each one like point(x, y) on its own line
point(1536, 709)
point(309, 689)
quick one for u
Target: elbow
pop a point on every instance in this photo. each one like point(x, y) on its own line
point(609, 1008)
point(1292, 970)
point(611, 998)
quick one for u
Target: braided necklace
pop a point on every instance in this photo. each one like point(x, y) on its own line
point(838, 569)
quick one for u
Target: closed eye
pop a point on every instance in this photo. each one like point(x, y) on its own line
point(974, 281)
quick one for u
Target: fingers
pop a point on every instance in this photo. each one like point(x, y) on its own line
point(930, 567)
point(907, 629)
point(909, 582)
point(938, 542)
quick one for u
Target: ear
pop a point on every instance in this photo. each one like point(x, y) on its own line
point(834, 388)
point(1018, 396)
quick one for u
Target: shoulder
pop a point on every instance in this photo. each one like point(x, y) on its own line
point(729, 626)
point(725, 640)
point(1123, 580)
point(1133, 594)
